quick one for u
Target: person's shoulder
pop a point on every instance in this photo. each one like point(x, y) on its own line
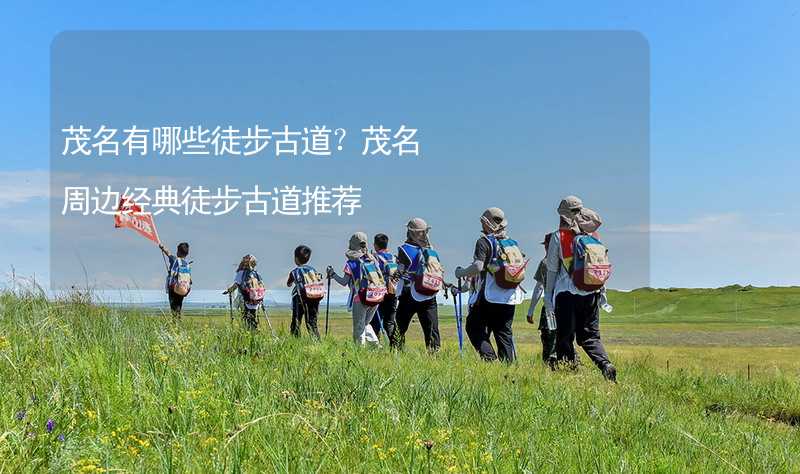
point(483, 240)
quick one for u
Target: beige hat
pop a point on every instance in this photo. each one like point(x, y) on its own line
point(567, 209)
point(571, 203)
point(588, 220)
point(357, 247)
point(418, 224)
point(417, 232)
point(494, 219)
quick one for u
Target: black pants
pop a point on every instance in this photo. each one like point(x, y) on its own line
point(386, 317)
point(578, 319)
point(308, 309)
point(548, 337)
point(250, 318)
point(428, 314)
point(484, 320)
point(175, 303)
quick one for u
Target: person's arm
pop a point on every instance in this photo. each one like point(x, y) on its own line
point(604, 301)
point(164, 250)
point(237, 280)
point(538, 291)
point(342, 280)
point(290, 280)
point(479, 257)
point(553, 261)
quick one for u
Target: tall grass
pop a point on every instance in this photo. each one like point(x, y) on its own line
point(132, 392)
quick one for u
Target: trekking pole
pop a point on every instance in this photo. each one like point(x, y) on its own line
point(163, 257)
point(328, 304)
point(457, 303)
point(230, 306)
point(269, 323)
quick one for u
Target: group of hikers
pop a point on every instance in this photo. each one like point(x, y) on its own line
point(387, 290)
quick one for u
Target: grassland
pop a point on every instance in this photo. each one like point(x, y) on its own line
point(131, 391)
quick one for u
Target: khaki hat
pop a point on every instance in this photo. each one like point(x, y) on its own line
point(573, 203)
point(357, 247)
point(495, 218)
point(588, 220)
point(418, 224)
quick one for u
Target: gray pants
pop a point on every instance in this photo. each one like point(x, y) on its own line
point(362, 331)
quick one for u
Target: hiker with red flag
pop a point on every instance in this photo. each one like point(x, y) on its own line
point(179, 277)
point(499, 267)
point(179, 271)
point(577, 270)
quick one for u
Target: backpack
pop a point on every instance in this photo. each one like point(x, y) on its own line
point(309, 283)
point(369, 282)
point(429, 275)
point(507, 263)
point(180, 277)
point(388, 266)
point(591, 267)
point(252, 288)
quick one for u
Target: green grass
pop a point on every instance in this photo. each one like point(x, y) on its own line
point(133, 392)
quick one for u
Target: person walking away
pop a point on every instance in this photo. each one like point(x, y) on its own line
point(577, 269)
point(367, 288)
point(387, 310)
point(179, 277)
point(499, 267)
point(251, 289)
point(547, 325)
point(308, 289)
point(423, 278)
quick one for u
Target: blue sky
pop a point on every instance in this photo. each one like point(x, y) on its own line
point(724, 112)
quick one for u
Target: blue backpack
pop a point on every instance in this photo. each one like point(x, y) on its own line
point(180, 277)
point(369, 282)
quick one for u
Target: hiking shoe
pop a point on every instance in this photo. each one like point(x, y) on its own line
point(610, 373)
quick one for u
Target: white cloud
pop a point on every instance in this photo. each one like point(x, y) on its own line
point(703, 224)
point(20, 186)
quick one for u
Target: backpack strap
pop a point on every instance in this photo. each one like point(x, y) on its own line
point(493, 244)
point(407, 249)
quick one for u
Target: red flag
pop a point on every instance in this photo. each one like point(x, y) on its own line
point(130, 215)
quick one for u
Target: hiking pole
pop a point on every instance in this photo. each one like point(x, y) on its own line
point(163, 256)
point(269, 323)
point(328, 304)
point(457, 303)
point(230, 306)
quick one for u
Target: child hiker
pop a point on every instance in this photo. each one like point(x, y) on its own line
point(251, 288)
point(308, 290)
point(387, 263)
point(367, 287)
point(179, 277)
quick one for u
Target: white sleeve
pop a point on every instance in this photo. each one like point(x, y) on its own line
point(538, 290)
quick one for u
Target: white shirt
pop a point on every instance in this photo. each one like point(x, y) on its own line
point(554, 262)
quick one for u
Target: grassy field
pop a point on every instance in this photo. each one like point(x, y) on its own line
point(94, 389)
